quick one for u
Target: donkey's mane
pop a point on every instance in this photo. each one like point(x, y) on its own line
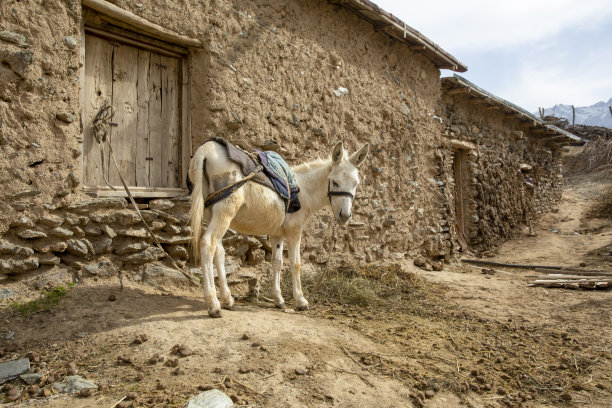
point(315, 164)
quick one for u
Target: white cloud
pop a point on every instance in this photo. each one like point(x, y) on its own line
point(458, 26)
point(530, 52)
point(545, 83)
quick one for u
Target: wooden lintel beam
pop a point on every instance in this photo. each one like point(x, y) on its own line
point(140, 23)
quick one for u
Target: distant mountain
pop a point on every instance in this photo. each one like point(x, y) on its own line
point(594, 115)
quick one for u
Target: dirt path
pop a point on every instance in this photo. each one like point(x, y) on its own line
point(457, 336)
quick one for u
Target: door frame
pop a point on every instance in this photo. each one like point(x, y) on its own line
point(117, 33)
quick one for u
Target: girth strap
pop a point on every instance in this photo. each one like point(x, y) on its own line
point(225, 192)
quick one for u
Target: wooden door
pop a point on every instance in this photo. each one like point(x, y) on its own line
point(144, 87)
point(460, 204)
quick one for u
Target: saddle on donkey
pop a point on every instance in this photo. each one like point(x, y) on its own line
point(270, 170)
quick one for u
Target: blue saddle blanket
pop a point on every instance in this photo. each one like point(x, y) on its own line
point(282, 178)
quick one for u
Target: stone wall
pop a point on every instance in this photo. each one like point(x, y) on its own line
point(501, 196)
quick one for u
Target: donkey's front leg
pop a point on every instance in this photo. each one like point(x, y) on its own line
point(293, 245)
point(211, 240)
point(227, 301)
point(277, 266)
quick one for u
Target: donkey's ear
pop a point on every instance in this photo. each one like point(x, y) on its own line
point(359, 156)
point(337, 153)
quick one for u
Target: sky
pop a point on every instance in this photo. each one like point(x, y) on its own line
point(533, 53)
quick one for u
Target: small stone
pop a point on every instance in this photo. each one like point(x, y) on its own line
point(70, 42)
point(429, 394)
point(340, 91)
point(77, 247)
point(6, 293)
point(66, 117)
point(31, 234)
point(73, 384)
point(130, 396)
point(300, 371)
point(14, 38)
point(210, 398)
point(141, 338)
point(565, 397)
point(206, 387)
point(31, 378)
point(61, 233)
point(86, 392)
point(52, 220)
point(161, 205)
point(172, 362)
point(103, 268)
point(19, 61)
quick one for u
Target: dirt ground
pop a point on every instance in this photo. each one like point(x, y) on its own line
point(439, 339)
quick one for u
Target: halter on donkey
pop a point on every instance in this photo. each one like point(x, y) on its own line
point(257, 210)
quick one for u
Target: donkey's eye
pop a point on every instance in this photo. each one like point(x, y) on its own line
point(335, 184)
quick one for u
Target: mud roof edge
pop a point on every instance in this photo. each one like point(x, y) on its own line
point(441, 58)
point(458, 79)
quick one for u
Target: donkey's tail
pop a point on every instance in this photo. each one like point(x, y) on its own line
point(200, 187)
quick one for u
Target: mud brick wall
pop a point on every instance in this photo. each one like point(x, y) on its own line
point(499, 200)
point(292, 76)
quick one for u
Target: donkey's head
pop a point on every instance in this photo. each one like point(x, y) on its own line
point(343, 180)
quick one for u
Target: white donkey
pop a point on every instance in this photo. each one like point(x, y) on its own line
point(257, 210)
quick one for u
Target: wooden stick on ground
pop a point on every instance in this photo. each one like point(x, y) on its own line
point(509, 265)
point(572, 271)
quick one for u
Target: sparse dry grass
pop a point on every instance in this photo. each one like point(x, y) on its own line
point(602, 207)
point(596, 156)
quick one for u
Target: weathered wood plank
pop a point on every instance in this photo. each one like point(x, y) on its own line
point(97, 89)
point(573, 271)
point(155, 120)
point(125, 102)
point(186, 147)
point(136, 191)
point(142, 132)
point(170, 123)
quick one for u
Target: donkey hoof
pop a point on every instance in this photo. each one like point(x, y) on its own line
point(302, 308)
point(280, 305)
point(215, 313)
point(229, 306)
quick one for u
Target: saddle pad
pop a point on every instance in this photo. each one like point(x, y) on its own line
point(268, 178)
point(281, 175)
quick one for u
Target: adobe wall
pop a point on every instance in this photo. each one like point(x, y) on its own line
point(267, 74)
point(499, 200)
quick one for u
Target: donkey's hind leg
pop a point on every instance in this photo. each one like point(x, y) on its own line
point(222, 215)
point(227, 301)
point(277, 266)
